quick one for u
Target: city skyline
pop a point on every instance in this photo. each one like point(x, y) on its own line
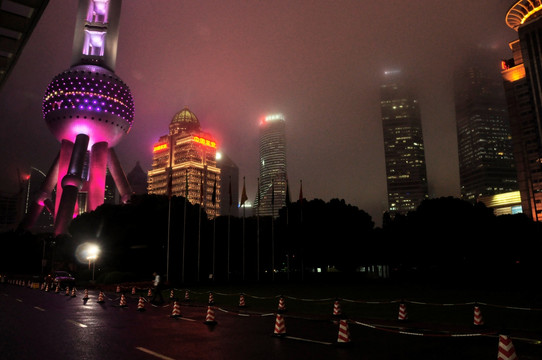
point(317, 63)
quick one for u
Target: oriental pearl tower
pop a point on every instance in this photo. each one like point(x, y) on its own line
point(88, 109)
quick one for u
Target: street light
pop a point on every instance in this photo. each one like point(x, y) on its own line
point(92, 252)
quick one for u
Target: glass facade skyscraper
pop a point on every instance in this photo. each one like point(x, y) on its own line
point(486, 161)
point(271, 196)
point(403, 147)
point(522, 75)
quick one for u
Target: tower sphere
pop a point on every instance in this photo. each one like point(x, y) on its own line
point(91, 100)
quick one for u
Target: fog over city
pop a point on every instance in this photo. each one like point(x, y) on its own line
point(320, 63)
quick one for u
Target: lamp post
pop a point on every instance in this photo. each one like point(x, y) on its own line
point(92, 254)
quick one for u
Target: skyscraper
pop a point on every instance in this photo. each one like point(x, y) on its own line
point(486, 161)
point(89, 109)
point(403, 146)
point(522, 75)
point(184, 164)
point(229, 184)
point(272, 188)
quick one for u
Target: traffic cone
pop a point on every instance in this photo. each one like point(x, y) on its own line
point(42, 287)
point(57, 289)
point(186, 296)
point(242, 301)
point(344, 332)
point(506, 349)
point(85, 297)
point(73, 292)
point(101, 297)
point(337, 309)
point(118, 289)
point(149, 293)
point(478, 316)
point(211, 299)
point(402, 312)
point(280, 326)
point(171, 294)
point(210, 317)
point(133, 290)
point(282, 305)
point(47, 288)
point(67, 291)
point(141, 304)
point(123, 301)
point(176, 310)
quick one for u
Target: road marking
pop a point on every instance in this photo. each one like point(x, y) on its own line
point(76, 323)
point(308, 340)
point(38, 308)
point(187, 319)
point(19, 300)
point(150, 352)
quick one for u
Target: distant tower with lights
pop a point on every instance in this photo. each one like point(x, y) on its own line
point(486, 161)
point(403, 146)
point(89, 109)
point(184, 164)
point(522, 75)
point(273, 179)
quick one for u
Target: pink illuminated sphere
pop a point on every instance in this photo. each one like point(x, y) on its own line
point(91, 100)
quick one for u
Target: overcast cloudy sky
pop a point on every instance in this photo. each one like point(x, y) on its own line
point(318, 62)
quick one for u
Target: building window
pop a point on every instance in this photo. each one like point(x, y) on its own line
point(94, 43)
point(97, 11)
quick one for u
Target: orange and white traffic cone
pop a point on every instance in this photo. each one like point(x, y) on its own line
point(171, 295)
point(280, 326)
point(506, 349)
point(42, 287)
point(403, 315)
point(73, 292)
point(282, 305)
point(118, 289)
point(149, 293)
point(141, 304)
point(67, 291)
point(242, 301)
point(57, 289)
point(176, 310)
point(337, 309)
point(133, 290)
point(47, 288)
point(211, 299)
point(85, 297)
point(210, 317)
point(101, 297)
point(478, 316)
point(344, 332)
point(186, 296)
point(123, 301)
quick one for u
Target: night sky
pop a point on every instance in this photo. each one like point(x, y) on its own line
point(320, 63)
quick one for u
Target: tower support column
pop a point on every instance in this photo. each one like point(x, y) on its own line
point(96, 181)
point(71, 183)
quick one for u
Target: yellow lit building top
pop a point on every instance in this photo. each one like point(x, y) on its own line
point(502, 204)
point(522, 11)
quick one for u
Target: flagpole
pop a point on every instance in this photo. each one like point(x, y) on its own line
point(258, 234)
point(214, 227)
point(184, 224)
point(199, 226)
point(243, 200)
point(169, 186)
point(301, 229)
point(229, 219)
point(273, 229)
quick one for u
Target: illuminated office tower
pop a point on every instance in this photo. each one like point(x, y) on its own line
point(272, 195)
point(184, 164)
point(403, 147)
point(89, 109)
point(522, 75)
point(486, 161)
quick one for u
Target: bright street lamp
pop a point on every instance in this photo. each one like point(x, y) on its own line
point(92, 252)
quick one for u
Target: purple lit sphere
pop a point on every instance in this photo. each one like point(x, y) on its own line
point(91, 100)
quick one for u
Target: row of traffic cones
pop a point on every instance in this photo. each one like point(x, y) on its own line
point(403, 314)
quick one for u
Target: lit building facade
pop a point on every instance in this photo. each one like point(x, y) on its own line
point(403, 147)
point(88, 108)
point(273, 179)
point(486, 161)
point(184, 164)
point(522, 75)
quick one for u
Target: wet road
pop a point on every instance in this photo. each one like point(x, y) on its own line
point(43, 325)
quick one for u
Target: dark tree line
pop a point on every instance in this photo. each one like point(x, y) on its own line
point(444, 237)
